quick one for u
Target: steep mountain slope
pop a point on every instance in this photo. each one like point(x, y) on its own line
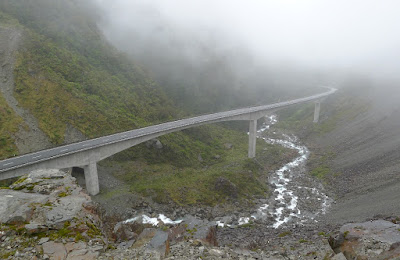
point(68, 77)
point(66, 74)
point(9, 125)
point(65, 82)
point(9, 120)
point(203, 69)
point(355, 149)
point(27, 137)
point(368, 156)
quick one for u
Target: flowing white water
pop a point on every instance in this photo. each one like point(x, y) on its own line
point(285, 205)
point(144, 219)
point(296, 195)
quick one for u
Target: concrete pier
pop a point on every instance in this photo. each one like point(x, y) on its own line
point(316, 111)
point(252, 138)
point(91, 178)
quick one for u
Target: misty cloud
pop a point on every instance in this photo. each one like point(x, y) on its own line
point(355, 34)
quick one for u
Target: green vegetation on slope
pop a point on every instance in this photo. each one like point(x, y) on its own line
point(183, 149)
point(9, 120)
point(319, 164)
point(228, 175)
point(7, 20)
point(335, 111)
point(67, 74)
point(63, 87)
point(300, 119)
point(9, 124)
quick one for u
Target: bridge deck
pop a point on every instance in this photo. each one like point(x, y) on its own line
point(40, 156)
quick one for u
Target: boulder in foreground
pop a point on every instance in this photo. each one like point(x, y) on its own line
point(378, 239)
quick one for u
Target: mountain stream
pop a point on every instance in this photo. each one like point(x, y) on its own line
point(296, 196)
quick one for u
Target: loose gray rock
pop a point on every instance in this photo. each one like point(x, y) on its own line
point(379, 239)
point(216, 252)
point(34, 228)
point(339, 256)
point(159, 244)
point(43, 240)
point(54, 250)
point(14, 206)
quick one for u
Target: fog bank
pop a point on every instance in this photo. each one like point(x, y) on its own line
point(321, 37)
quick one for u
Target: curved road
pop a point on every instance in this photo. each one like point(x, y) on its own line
point(32, 158)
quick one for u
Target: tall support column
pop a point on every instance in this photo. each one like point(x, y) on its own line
point(252, 138)
point(316, 111)
point(92, 178)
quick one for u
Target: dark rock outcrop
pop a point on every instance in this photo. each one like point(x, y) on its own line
point(226, 187)
point(379, 239)
point(48, 216)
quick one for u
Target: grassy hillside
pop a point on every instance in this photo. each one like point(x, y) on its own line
point(336, 111)
point(340, 108)
point(67, 74)
point(197, 182)
point(60, 87)
point(9, 124)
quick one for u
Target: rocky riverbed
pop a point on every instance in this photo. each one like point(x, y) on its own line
point(296, 197)
point(46, 215)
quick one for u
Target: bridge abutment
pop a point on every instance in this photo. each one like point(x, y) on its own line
point(316, 111)
point(92, 178)
point(252, 138)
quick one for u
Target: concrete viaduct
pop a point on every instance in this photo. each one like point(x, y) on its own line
point(87, 153)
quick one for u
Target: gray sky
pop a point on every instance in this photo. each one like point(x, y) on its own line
point(358, 35)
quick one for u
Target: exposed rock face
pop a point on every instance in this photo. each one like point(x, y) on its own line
point(53, 199)
point(145, 241)
point(14, 206)
point(124, 232)
point(73, 135)
point(30, 137)
point(48, 216)
point(56, 250)
point(379, 239)
point(155, 143)
point(159, 244)
point(51, 216)
point(199, 229)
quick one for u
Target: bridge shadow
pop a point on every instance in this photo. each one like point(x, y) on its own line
point(79, 174)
